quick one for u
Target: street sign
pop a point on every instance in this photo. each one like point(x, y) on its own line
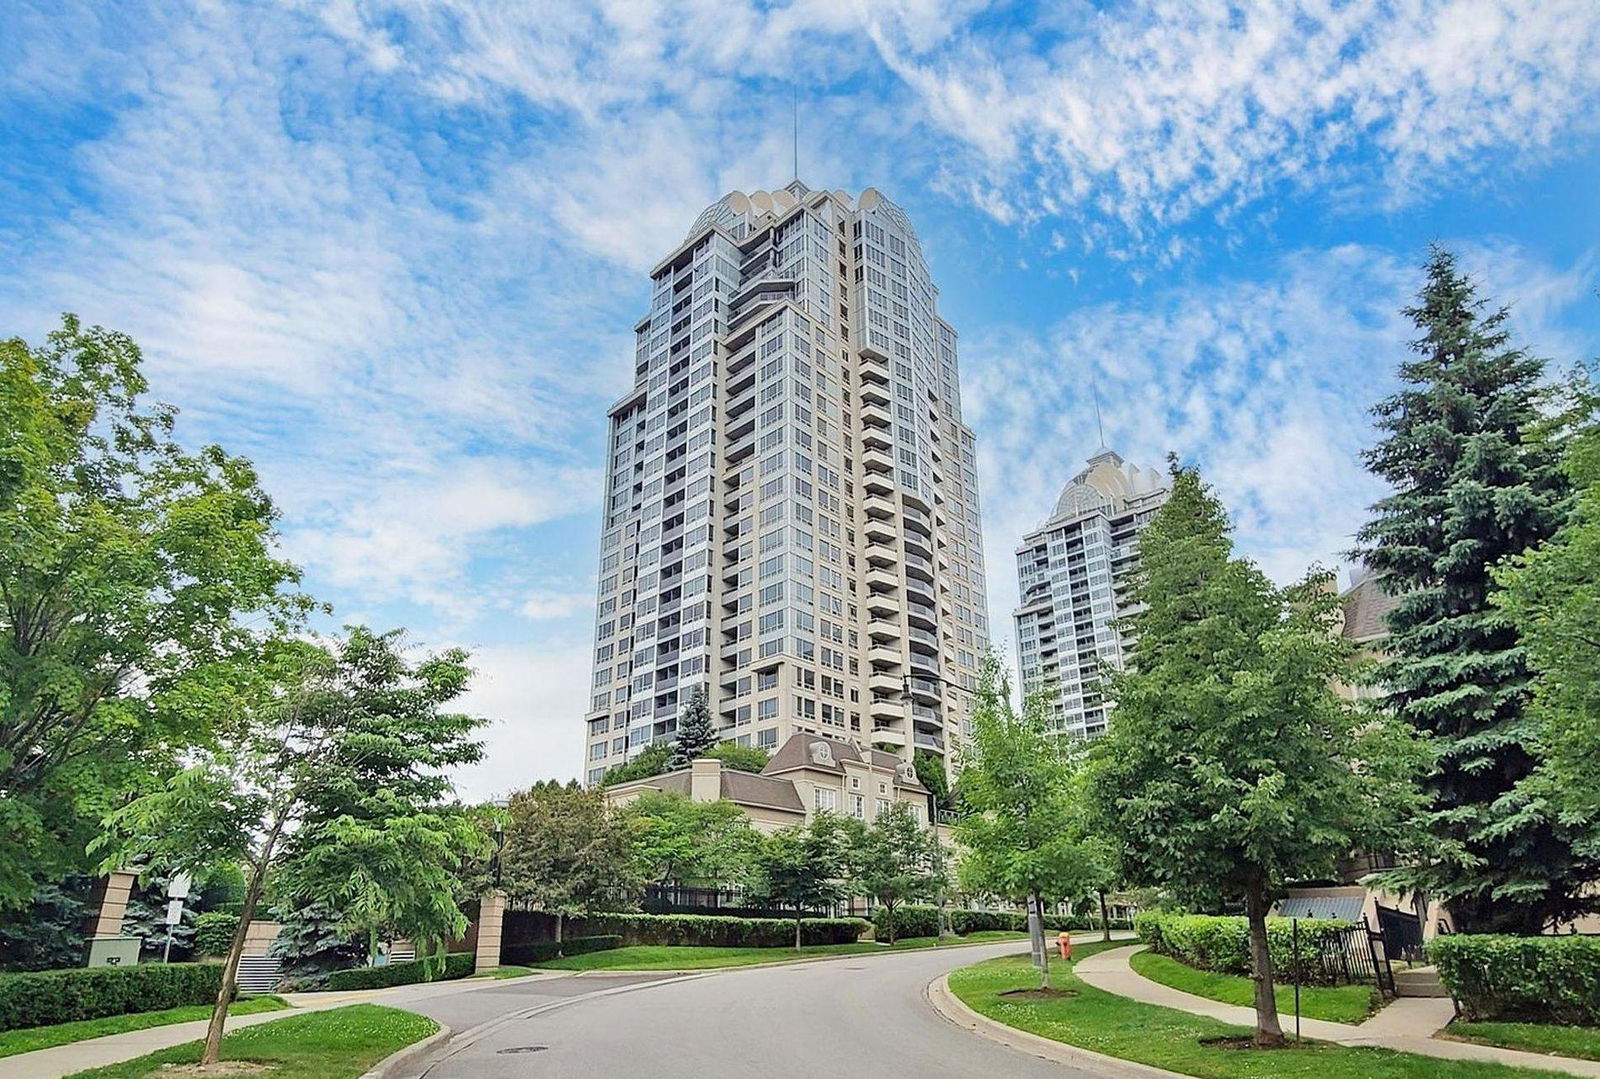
point(174, 911)
point(178, 887)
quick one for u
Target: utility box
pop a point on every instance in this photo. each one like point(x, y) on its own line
point(113, 951)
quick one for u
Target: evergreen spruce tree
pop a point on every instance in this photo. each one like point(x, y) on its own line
point(696, 731)
point(1471, 488)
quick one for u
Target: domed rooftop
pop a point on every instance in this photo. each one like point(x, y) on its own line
point(1108, 483)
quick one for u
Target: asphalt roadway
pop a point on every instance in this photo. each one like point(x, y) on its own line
point(862, 1016)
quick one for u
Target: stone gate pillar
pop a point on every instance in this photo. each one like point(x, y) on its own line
point(491, 917)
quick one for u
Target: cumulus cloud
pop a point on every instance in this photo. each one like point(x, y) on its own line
point(1265, 384)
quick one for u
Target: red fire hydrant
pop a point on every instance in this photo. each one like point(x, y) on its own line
point(1064, 942)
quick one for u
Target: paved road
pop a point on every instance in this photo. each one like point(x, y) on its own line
point(862, 1016)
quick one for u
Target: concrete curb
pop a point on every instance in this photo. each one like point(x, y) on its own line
point(950, 1008)
point(401, 1058)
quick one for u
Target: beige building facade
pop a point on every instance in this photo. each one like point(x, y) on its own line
point(791, 513)
point(808, 775)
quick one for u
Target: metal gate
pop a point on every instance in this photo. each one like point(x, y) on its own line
point(1402, 933)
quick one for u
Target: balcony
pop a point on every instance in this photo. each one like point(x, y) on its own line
point(883, 630)
point(886, 711)
point(929, 741)
point(883, 580)
point(888, 736)
point(921, 614)
point(881, 655)
point(877, 506)
point(880, 603)
point(882, 554)
point(884, 682)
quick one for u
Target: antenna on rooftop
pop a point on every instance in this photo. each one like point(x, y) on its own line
point(794, 86)
point(1094, 388)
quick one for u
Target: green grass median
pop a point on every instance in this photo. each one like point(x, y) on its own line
point(1580, 1042)
point(661, 957)
point(1163, 1038)
point(340, 1043)
point(29, 1039)
point(1334, 1003)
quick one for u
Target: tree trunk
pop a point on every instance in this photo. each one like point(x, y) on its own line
point(230, 969)
point(558, 927)
point(1105, 919)
point(1268, 1030)
point(890, 908)
point(798, 915)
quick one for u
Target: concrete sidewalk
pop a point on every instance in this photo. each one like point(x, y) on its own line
point(1406, 1026)
point(63, 1060)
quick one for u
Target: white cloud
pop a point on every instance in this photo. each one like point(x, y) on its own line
point(1265, 385)
point(546, 605)
point(1153, 110)
point(535, 697)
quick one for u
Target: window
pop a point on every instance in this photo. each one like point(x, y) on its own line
point(858, 807)
point(827, 799)
point(768, 738)
point(883, 806)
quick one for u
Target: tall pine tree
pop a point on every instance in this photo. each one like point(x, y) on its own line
point(1470, 489)
point(696, 731)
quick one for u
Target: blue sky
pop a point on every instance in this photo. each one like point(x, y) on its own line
point(393, 250)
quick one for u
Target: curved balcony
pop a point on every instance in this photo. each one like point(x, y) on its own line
point(888, 736)
point(882, 604)
point(920, 614)
point(924, 690)
point(883, 630)
point(884, 657)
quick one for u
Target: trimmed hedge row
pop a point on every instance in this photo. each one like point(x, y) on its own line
point(916, 920)
point(1222, 943)
point(1531, 979)
point(456, 965)
point(63, 996)
point(702, 930)
point(541, 950)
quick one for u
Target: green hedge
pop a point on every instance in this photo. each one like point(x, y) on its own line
point(540, 950)
point(65, 996)
point(701, 930)
point(916, 920)
point(1532, 979)
point(1222, 943)
point(213, 933)
point(456, 965)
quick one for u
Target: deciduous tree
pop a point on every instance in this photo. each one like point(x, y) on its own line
point(805, 868)
point(565, 850)
point(678, 841)
point(1023, 834)
point(1552, 595)
point(1230, 766)
point(331, 783)
point(896, 860)
point(129, 567)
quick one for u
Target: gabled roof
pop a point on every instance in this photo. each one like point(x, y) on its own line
point(1366, 608)
point(743, 788)
point(819, 753)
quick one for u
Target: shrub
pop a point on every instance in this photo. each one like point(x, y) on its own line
point(456, 965)
point(64, 996)
point(1533, 979)
point(713, 931)
point(213, 932)
point(1222, 943)
point(540, 950)
point(916, 920)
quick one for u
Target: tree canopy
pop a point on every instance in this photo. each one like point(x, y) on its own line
point(1552, 596)
point(896, 859)
point(565, 850)
point(804, 868)
point(129, 568)
point(696, 733)
point(679, 841)
point(331, 782)
point(1231, 767)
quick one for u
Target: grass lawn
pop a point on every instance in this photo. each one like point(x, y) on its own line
point(1119, 1027)
point(340, 1043)
point(27, 1040)
point(1335, 1003)
point(1581, 1042)
point(662, 957)
point(504, 972)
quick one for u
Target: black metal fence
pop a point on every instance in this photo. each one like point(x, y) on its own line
point(1351, 955)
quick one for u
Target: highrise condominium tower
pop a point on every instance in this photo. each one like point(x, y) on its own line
point(1070, 572)
point(791, 510)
